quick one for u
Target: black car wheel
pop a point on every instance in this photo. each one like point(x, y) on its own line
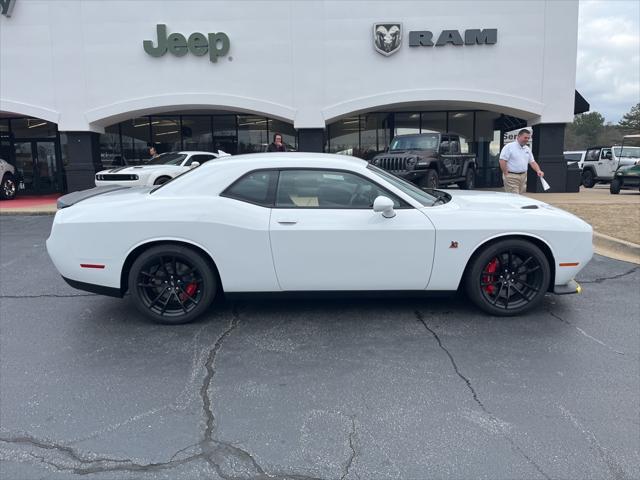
point(615, 186)
point(8, 187)
point(508, 277)
point(469, 180)
point(161, 180)
point(172, 284)
point(588, 179)
point(430, 180)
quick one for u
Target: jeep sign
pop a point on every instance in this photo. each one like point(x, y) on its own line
point(217, 44)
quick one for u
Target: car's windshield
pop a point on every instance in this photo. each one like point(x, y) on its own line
point(425, 141)
point(410, 189)
point(170, 158)
point(626, 152)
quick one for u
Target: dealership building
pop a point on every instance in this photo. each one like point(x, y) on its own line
point(86, 84)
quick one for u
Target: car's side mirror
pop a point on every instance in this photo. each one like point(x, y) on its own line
point(384, 205)
point(194, 164)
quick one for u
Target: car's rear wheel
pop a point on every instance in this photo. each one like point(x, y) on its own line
point(469, 180)
point(430, 180)
point(8, 187)
point(508, 277)
point(161, 180)
point(172, 284)
point(615, 186)
point(588, 179)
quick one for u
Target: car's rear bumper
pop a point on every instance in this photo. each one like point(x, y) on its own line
point(571, 287)
point(90, 287)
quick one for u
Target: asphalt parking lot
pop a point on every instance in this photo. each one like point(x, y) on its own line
point(351, 388)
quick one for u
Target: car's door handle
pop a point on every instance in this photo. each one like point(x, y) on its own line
point(287, 222)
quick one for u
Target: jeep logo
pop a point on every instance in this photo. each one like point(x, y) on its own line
point(216, 44)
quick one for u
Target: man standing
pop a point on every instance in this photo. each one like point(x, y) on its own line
point(514, 159)
point(277, 145)
point(153, 152)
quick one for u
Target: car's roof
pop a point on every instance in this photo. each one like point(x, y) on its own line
point(292, 159)
point(192, 152)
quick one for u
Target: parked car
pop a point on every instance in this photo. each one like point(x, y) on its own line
point(575, 156)
point(282, 222)
point(627, 176)
point(601, 162)
point(8, 187)
point(156, 171)
point(429, 160)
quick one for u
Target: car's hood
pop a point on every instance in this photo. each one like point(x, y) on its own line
point(137, 169)
point(494, 201)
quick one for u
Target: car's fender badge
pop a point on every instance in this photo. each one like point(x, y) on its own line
point(453, 244)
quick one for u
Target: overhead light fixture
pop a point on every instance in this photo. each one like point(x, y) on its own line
point(35, 125)
point(167, 133)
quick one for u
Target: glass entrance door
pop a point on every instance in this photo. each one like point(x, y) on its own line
point(37, 166)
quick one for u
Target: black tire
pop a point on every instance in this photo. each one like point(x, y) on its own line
point(161, 180)
point(588, 178)
point(172, 284)
point(526, 280)
point(8, 187)
point(469, 180)
point(615, 186)
point(430, 180)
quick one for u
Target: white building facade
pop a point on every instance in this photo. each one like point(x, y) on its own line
point(85, 83)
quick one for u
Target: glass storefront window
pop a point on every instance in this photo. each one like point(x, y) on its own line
point(166, 134)
point(225, 134)
point(289, 135)
point(461, 123)
point(135, 139)
point(252, 134)
point(5, 141)
point(33, 128)
point(111, 148)
point(374, 134)
point(344, 136)
point(433, 122)
point(197, 133)
point(407, 123)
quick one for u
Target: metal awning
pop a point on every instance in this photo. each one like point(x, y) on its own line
point(580, 105)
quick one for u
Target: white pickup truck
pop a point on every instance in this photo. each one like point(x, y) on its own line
point(600, 163)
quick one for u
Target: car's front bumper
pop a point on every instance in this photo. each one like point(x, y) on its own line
point(569, 288)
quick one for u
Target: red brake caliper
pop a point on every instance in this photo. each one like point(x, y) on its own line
point(189, 291)
point(491, 268)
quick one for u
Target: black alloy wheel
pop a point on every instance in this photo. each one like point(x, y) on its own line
point(588, 179)
point(161, 180)
point(8, 187)
point(615, 186)
point(172, 284)
point(430, 180)
point(469, 180)
point(508, 277)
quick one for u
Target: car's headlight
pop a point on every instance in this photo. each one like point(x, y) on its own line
point(411, 161)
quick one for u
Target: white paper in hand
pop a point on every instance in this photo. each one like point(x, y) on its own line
point(545, 185)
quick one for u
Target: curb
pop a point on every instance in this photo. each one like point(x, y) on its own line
point(615, 248)
point(14, 213)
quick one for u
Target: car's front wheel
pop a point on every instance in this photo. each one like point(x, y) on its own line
point(8, 187)
point(430, 180)
point(172, 284)
point(615, 186)
point(508, 277)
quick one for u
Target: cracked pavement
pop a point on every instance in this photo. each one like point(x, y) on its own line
point(344, 388)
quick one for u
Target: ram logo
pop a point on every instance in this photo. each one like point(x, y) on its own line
point(387, 37)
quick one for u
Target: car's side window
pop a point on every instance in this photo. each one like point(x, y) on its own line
point(255, 187)
point(606, 154)
point(592, 155)
point(198, 158)
point(328, 189)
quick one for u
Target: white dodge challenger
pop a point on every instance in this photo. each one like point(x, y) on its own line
point(156, 171)
point(311, 222)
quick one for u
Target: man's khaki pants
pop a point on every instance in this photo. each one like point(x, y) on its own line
point(515, 182)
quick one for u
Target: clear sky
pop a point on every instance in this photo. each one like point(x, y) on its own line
point(608, 69)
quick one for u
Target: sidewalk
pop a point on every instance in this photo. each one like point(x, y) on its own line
point(615, 218)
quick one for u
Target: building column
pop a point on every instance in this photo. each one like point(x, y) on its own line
point(548, 148)
point(311, 140)
point(80, 158)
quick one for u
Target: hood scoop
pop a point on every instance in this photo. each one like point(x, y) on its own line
point(530, 207)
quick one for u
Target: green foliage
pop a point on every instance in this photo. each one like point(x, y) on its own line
point(631, 119)
point(589, 129)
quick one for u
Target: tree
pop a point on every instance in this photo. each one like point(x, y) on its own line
point(588, 125)
point(631, 119)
